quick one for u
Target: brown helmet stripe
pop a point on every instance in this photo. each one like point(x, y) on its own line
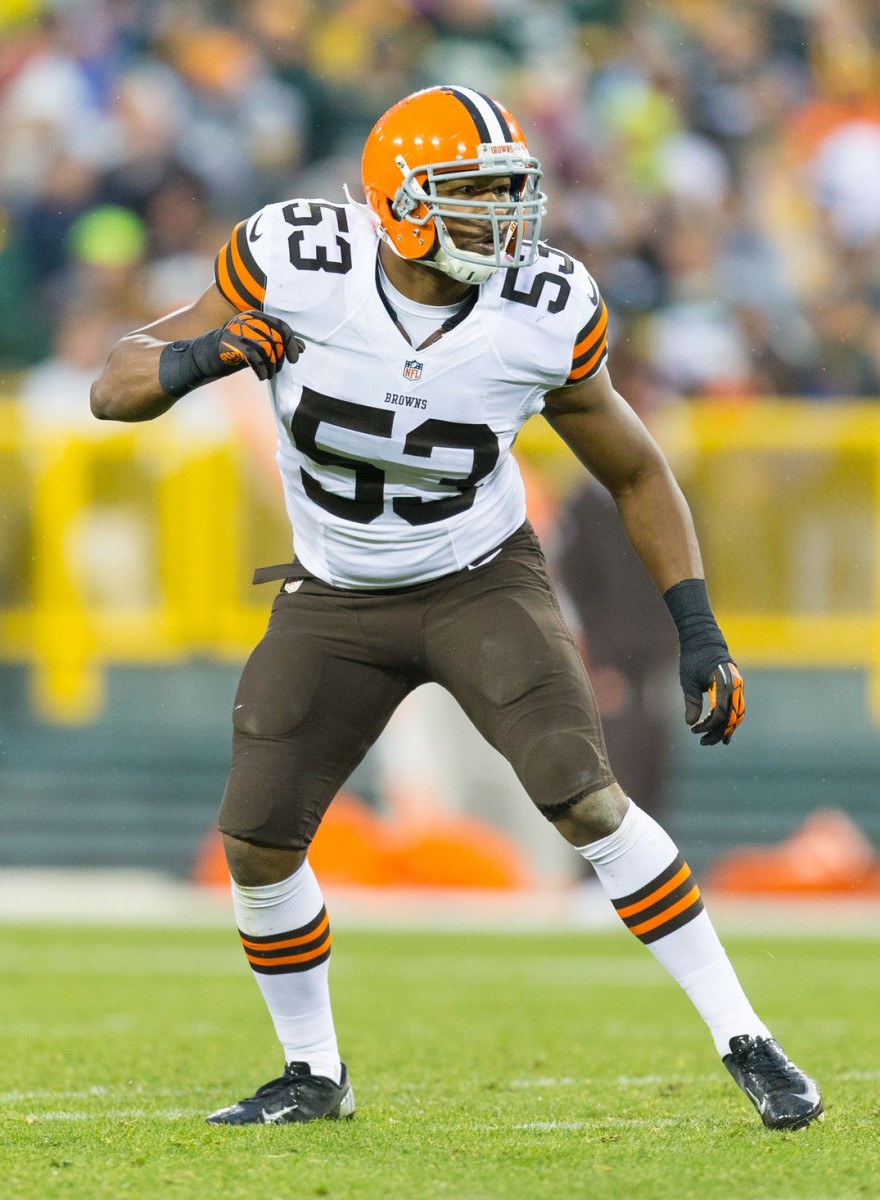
point(502, 120)
point(481, 116)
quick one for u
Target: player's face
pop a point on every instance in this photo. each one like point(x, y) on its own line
point(471, 233)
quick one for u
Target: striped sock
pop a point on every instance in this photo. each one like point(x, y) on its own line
point(656, 896)
point(285, 932)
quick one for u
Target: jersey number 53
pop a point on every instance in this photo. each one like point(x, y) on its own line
point(368, 501)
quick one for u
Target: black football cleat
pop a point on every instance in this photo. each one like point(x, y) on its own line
point(294, 1099)
point(784, 1096)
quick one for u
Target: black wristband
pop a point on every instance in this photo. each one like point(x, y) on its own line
point(189, 363)
point(688, 604)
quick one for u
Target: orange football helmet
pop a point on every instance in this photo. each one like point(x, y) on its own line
point(450, 133)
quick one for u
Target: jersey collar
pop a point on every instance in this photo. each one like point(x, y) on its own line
point(450, 323)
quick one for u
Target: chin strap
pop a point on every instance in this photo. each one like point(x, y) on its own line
point(461, 272)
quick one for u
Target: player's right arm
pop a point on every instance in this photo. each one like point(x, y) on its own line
point(149, 369)
point(609, 439)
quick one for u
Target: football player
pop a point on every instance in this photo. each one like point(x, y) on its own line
point(405, 342)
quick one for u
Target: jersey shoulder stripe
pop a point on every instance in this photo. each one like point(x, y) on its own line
point(559, 302)
point(591, 346)
point(237, 273)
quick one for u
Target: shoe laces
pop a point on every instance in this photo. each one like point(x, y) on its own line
point(293, 1083)
point(274, 1085)
point(762, 1059)
point(286, 1084)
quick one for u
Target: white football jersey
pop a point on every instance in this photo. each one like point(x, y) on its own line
point(396, 460)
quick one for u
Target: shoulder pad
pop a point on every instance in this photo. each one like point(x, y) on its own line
point(288, 255)
point(569, 318)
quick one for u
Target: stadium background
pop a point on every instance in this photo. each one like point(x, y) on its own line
point(715, 164)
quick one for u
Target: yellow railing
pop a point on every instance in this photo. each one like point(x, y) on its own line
point(136, 544)
point(786, 496)
point(788, 502)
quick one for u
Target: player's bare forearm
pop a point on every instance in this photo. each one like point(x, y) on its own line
point(610, 440)
point(658, 522)
point(128, 388)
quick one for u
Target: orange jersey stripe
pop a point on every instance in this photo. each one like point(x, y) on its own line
point(291, 958)
point(593, 336)
point(662, 891)
point(586, 367)
point(244, 274)
point(286, 943)
point(646, 926)
point(227, 287)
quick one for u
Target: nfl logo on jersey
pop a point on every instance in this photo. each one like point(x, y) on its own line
point(412, 369)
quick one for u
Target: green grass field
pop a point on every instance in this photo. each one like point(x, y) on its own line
point(484, 1066)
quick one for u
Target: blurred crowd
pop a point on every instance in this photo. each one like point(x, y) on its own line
point(716, 163)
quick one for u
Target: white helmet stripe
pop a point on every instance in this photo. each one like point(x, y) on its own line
point(487, 116)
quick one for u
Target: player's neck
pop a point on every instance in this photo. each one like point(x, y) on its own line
point(420, 283)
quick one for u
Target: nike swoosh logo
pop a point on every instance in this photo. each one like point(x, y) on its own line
point(481, 562)
point(272, 1118)
point(253, 236)
point(760, 1104)
point(594, 291)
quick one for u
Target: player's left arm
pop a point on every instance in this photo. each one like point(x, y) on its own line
point(609, 439)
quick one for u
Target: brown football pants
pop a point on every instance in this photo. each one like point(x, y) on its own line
point(333, 665)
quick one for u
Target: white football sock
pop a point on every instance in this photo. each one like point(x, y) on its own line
point(286, 937)
point(656, 896)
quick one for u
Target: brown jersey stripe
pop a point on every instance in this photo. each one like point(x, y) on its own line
point(595, 318)
point(590, 335)
point(297, 937)
point(643, 893)
point(247, 267)
point(237, 273)
point(225, 283)
point(591, 345)
point(292, 966)
point(591, 366)
point(670, 926)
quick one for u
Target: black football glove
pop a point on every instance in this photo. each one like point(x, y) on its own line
point(249, 339)
point(727, 705)
point(705, 665)
point(255, 340)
